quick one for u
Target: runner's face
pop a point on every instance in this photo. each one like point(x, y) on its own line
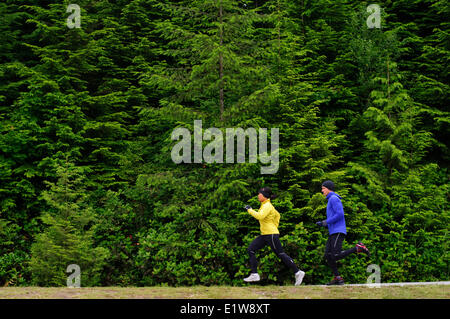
point(261, 198)
point(325, 191)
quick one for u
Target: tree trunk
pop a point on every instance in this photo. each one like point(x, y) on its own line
point(221, 99)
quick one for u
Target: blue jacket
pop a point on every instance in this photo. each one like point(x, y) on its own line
point(335, 214)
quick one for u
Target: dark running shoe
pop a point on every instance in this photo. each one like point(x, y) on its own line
point(336, 281)
point(360, 248)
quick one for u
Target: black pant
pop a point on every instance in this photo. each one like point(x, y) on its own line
point(333, 251)
point(273, 241)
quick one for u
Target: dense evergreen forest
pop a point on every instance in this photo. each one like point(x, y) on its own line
point(87, 113)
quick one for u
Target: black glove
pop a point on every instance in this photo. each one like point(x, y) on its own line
point(247, 207)
point(321, 223)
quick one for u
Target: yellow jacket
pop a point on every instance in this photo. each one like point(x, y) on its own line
point(268, 218)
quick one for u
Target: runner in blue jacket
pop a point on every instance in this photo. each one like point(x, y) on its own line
point(337, 231)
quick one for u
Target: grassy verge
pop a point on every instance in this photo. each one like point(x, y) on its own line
point(226, 292)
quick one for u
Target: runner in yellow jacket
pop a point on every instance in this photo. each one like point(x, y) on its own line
point(269, 219)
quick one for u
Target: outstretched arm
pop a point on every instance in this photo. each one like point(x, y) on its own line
point(261, 213)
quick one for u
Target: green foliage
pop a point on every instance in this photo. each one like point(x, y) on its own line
point(367, 108)
point(67, 238)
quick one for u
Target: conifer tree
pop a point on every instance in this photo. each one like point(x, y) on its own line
point(67, 238)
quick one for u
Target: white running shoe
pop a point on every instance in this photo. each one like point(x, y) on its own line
point(252, 278)
point(299, 277)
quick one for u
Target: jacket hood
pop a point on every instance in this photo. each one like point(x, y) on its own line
point(331, 194)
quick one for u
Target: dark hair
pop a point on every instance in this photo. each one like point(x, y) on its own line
point(267, 193)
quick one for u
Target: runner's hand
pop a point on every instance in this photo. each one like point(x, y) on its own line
point(321, 223)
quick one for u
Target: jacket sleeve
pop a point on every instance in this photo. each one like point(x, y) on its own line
point(337, 209)
point(261, 213)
